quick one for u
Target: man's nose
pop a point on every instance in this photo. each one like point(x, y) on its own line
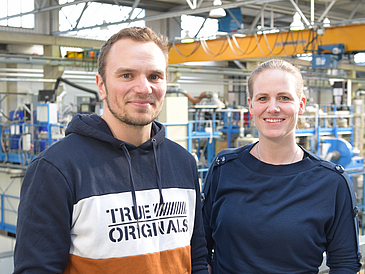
point(142, 85)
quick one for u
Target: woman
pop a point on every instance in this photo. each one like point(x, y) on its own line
point(272, 206)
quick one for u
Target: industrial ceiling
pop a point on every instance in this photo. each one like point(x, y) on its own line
point(255, 15)
point(271, 13)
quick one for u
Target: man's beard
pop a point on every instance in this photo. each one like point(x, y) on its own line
point(122, 115)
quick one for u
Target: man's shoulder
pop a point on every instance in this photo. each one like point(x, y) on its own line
point(174, 145)
point(68, 146)
point(177, 151)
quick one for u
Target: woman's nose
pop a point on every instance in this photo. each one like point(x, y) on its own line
point(273, 107)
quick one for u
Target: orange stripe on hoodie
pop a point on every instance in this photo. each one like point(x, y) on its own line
point(176, 261)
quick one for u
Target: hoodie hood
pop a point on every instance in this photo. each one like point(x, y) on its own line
point(95, 127)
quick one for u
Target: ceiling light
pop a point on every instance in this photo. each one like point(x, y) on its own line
point(239, 35)
point(221, 33)
point(326, 22)
point(187, 38)
point(219, 12)
point(104, 26)
point(297, 23)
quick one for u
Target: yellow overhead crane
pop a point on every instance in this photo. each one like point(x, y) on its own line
point(289, 43)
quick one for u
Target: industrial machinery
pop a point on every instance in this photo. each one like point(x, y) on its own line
point(29, 133)
point(328, 56)
point(340, 151)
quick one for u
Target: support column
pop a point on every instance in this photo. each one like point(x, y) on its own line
point(52, 72)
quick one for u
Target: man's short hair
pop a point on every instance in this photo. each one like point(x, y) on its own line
point(137, 34)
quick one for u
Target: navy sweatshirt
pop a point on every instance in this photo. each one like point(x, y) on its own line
point(263, 218)
point(94, 204)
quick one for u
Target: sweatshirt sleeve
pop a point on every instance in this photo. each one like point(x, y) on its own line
point(198, 244)
point(43, 226)
point(206, 210)
point(342, 246)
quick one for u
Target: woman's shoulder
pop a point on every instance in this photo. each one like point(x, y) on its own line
point(238, 150)
point(229, 154)
point(334, 167)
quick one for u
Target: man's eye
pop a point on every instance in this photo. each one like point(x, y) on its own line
point(154, 77)
point(126, 76)
point(262, 98)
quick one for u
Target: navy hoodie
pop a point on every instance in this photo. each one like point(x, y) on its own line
point(94, 204)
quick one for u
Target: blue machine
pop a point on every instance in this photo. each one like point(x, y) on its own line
point(328, 56)
point(15, 138)
point(341, 152)
point(231, 22)
point(23, 138)
point(16, 128)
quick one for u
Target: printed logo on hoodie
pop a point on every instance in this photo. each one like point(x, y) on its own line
point(109, 220)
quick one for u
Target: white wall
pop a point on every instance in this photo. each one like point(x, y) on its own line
point(6, 254)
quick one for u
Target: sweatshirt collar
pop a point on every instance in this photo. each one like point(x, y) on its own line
point(95, 127)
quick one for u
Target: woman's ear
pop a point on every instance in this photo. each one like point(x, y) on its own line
point(302, 106)
point(250, 105)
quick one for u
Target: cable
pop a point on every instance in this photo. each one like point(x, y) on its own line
point(258, 45)
point(232, 48)
point(268, 46)
point(267, 43)
point(2, 112)
point(238, 47)
point(288, 40)
point(296, 43)
point(205, 19)
point(284, 41)
point(184, 55)
point(3, 145)
point(60, 79)
point(212, 54)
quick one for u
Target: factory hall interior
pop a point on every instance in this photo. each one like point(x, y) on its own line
point(49, 53)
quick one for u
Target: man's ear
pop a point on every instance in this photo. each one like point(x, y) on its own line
point(101, 86)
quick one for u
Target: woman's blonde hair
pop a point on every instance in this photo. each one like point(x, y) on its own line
point(277, 64)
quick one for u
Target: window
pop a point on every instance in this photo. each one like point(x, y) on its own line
point(192, 24)
point(17, 7)
point(96, 14)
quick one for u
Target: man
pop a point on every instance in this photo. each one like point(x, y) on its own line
point(114, 195)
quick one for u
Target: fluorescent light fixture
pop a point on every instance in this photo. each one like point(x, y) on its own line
point(239, 35)
point(218, 12)
point(326, 22)
point(222, 33)
point(297, 23)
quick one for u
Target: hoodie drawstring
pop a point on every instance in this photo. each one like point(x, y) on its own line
point(133, 189)
point(132, 182)
point(158, 176)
